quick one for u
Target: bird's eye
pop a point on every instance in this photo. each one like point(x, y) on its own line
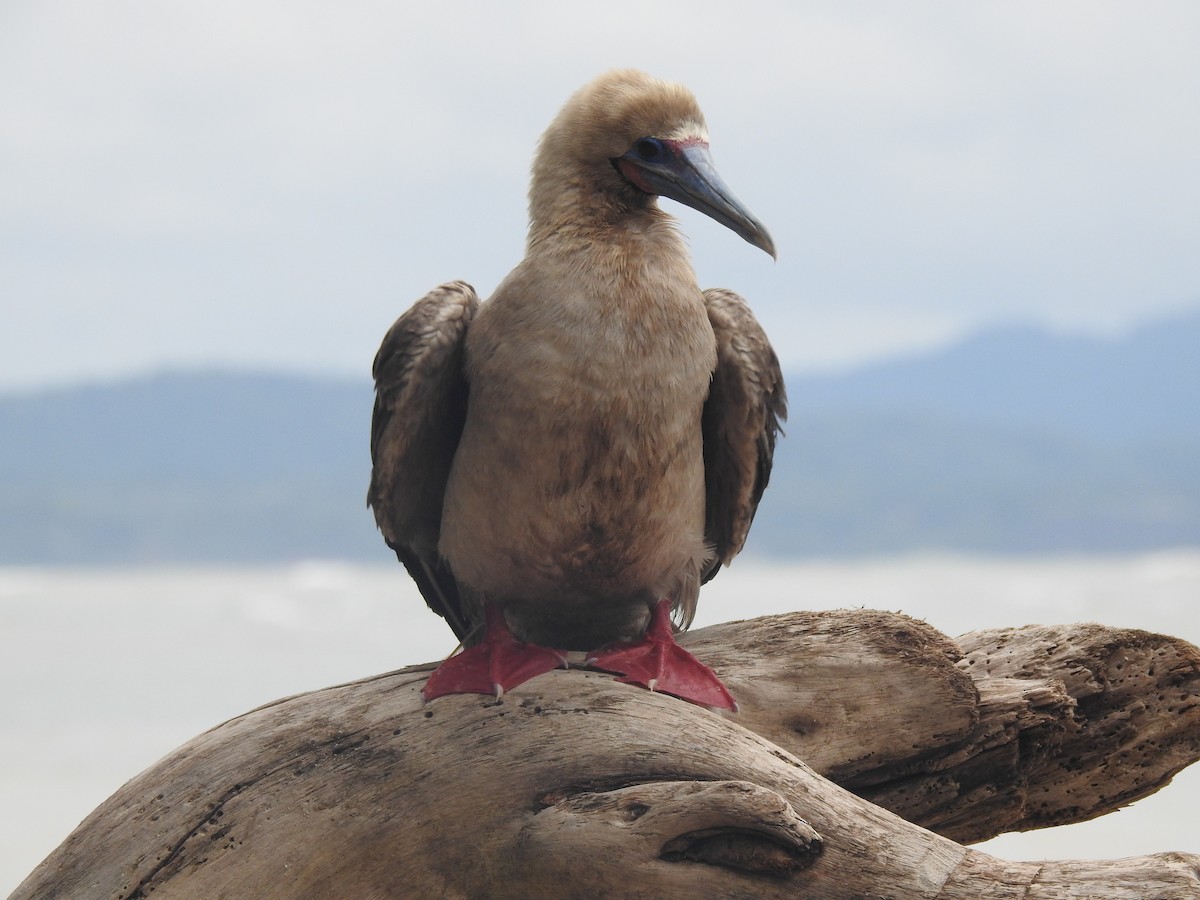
point(648, 149)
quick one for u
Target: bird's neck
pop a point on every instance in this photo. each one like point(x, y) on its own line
point(609, 238)
point(579, 206)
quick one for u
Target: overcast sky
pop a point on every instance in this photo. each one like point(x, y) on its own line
point(270, 182)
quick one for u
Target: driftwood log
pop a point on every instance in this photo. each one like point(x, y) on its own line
point(576, 785)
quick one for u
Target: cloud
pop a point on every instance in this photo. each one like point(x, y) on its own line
point(271, 182)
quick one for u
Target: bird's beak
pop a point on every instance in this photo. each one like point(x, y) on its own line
point(684, 171)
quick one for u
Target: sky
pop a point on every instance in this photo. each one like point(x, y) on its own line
point(269, 183)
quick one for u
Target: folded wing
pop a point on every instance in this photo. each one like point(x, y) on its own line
point(420, 407)
point(741, 421)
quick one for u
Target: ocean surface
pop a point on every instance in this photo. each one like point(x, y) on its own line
point(104, 671)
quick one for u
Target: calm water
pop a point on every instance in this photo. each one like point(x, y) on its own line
point(104, 671)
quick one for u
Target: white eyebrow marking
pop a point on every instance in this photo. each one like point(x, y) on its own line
point(689, 132)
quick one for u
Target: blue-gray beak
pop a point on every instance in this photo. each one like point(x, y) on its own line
point(684, 171)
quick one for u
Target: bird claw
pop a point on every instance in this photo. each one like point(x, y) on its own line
point(498, 663)
point(658, 663)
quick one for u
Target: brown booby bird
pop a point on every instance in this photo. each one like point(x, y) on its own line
point(561, 467)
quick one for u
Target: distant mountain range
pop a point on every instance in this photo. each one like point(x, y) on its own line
point(1016, 440)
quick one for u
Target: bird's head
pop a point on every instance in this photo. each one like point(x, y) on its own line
point(623, 140)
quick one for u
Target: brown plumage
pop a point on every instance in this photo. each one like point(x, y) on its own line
point(595, 437)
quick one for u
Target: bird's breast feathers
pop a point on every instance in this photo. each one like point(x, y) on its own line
point(582, 440)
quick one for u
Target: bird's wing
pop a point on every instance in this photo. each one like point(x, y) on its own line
point(741, 419)
point(420, 407)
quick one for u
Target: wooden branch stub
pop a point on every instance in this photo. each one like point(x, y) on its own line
point(731, 824)
point(1017, 728)
point(1129, 713)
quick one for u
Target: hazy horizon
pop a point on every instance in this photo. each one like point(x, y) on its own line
point(814, 368)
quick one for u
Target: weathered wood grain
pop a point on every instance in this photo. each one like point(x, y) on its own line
point(578, 786)
point(1003, 730)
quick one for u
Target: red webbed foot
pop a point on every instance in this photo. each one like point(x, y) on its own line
point(498, 663)
point(660, 664)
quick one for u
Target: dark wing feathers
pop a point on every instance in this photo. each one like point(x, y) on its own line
point(741, 420)
point(420, 407)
